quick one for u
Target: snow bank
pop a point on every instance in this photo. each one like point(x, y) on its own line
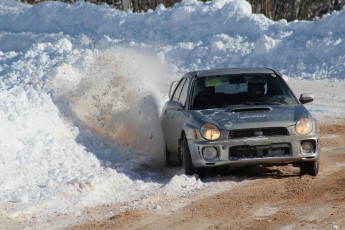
point(213, 34)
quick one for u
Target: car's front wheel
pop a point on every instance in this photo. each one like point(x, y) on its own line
point(188, 166)
point(309, 168)
point(187, 159)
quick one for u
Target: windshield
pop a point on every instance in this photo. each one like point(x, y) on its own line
point(247, 89)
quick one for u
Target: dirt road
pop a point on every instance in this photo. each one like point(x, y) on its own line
point(272, 198)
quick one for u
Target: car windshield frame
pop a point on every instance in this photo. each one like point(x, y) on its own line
point(219, 91)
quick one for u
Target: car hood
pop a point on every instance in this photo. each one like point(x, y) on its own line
point(241, 117)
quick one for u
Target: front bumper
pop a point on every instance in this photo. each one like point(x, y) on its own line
point(256, 150)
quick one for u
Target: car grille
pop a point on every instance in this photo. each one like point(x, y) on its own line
point(246, 151)
point(263, 132)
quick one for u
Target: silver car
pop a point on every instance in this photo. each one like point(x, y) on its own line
point(237, 117)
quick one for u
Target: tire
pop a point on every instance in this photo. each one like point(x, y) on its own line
point(189, 169)
point(309, 168)
point(201, 172)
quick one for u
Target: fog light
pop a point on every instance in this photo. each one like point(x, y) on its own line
point(210, 153)
point(307, 147)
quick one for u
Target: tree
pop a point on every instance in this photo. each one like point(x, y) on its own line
point(295, 9)
point(273, 9)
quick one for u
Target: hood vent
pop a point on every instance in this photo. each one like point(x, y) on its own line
point(250, 110)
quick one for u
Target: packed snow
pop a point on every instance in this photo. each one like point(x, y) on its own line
point(82, 86)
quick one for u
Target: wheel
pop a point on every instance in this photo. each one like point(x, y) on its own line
point(313, 168)
point(201, 172)
point(187, 159)
point(170, 159)
point(309, 168)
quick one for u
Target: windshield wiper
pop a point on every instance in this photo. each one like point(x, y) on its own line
point(273, 103)
point(205, 107)
point(261, 103)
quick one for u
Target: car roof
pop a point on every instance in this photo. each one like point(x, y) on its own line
point(224, 71)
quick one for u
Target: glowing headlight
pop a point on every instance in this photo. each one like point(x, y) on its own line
point(210, 132)
point(303, 126)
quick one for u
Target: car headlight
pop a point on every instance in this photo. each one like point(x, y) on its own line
point(209, 132)
point(303, 126)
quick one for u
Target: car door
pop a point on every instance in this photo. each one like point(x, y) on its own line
point(171, 124)
point(180, 117)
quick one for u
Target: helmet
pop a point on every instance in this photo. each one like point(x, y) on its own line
point(256, 88)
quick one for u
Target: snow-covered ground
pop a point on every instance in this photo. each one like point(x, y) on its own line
point(82, 86)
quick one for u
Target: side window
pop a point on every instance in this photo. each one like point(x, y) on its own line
point(183, 96)
point(178, 90)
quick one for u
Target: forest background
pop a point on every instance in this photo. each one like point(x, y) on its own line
point(289, 10)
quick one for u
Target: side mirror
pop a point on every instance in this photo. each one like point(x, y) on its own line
point(174, 105)
point(306, 98)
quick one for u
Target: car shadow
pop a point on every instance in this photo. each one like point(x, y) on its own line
point(252, 172)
